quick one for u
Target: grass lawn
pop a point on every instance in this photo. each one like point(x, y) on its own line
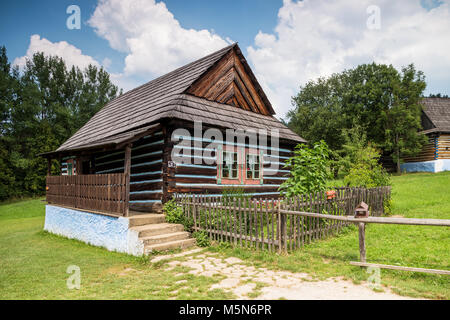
point(33, 263)
point(421, 195)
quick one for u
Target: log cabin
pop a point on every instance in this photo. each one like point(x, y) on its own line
point(435, 154)
point(200, 129)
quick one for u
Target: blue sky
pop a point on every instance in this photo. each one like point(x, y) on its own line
point(48, 19)
point(286, 42)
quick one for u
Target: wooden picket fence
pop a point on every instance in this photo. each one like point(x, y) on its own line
point(251, 222)
point(105, 193)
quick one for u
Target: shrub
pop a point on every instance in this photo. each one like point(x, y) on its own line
point(228, 194)
point(387, 206)
point(343, 159)
point(202, 238)
point(366, 171)
point(309, 170)
point(175, 214)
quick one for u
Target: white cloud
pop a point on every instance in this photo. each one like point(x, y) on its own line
point(317, 37)
point(106, 62)
point(153, 39)
point(71, 54)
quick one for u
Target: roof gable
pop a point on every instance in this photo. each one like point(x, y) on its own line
point(138, 106)
point(168, 97)
point(230, 81)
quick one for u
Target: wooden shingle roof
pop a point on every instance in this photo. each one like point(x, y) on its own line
point(166, 97)
point(438, 111)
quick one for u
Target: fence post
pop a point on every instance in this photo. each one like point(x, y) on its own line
point(282, 234)
point(362, 241)
point(194, 211)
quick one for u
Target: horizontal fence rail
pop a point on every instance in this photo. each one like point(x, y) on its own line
point(274, 224)
point(104, 193)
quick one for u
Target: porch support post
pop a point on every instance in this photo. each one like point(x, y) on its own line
point(168, 172)
point(49, 166)
point(127, 171)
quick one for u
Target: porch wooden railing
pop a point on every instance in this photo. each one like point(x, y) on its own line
point(104, 193)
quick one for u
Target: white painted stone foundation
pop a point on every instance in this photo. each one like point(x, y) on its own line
point(111, 233)
point(426, 166)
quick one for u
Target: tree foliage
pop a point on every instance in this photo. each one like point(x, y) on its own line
point(355, 139)
point(309, 170)
point(366, 171)
point(41, 106)
point(381, 100)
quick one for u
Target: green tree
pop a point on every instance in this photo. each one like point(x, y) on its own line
point(371, 96)
point(355, 139)
point(318, 112)
point(40, 107)
point(8, 86)
point(403, 120)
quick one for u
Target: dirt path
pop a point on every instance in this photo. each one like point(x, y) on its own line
point(248, 282)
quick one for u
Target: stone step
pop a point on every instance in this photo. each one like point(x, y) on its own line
point(179, 244)
point(144, 219)
point(138, 213)
point(167, 237)
point(157, 229)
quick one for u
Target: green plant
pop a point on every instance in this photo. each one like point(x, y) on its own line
point(366, 171)
point(343, 159)
point(309, 170)
point(202, 238)
point(228, 194)
point(387, 206)
point(383, 101)
point(175, 214)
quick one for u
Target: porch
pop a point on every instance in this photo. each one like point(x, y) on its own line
point(98, 193)
point(118, 176)
point(95, 209)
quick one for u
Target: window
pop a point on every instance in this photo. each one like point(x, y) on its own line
point(253, 166)
point(239, 165)
point(230, 165)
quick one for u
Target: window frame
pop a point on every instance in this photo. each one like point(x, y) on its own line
point(231, 169)
point(242, 166)
point(254, 170)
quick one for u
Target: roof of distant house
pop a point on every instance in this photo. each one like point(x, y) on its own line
point(438, 112)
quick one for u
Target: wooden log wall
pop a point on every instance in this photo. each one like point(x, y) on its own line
point(64, 165)
point(146, 184)
point(201, 177)
point(443, 146)
point(428, 153)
